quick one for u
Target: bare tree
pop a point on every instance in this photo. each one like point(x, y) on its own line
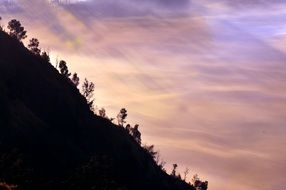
point(186, 172)
point(87, 92)
point(159, 161)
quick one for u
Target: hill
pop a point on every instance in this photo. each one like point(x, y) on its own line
point(49, 138)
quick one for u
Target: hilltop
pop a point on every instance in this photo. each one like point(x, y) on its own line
point(50, 139)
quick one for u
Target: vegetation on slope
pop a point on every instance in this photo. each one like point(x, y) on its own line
point(51, 138)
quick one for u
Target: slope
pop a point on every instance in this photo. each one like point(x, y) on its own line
point(49, 139)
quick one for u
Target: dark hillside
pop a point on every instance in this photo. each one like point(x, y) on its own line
point(49, 138)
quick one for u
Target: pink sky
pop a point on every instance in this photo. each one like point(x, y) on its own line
point(206, 80)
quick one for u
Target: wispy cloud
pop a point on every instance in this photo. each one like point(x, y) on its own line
point(208, 76)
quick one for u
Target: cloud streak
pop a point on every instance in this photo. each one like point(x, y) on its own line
point(207, 76)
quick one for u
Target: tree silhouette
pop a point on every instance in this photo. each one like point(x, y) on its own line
point(137, 134)
point(186, 172)
point(34, 46)
point(102, 113)
point(121, 117)
point(134, 132)
point(198, 184)
point(87, 92)
point(173, 173)
point(160, 162)
point(64, 68)
point(151, 151)
point(45, 56)
point(1, 27)
point(75, 79)
point(16, 30)
point(204, 185)
point(128, 129)
point(195, 178)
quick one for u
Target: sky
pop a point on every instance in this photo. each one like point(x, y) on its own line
point(204, 79)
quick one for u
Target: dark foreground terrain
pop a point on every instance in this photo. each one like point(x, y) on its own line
point(49, 138)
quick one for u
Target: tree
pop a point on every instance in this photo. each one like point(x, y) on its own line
point(128, 129)
point(159, 161)
point(45, 56)
point(75, 79)
point(195, 178)
point(1, 27)
point(198, 184)
point(186, 172)
point(87, 92)
point(64, 68)
point(136, 134)
point(121, 117)
point(150, 150)
point(173, 173)
point(204, 185)
point(34, 46)
point(102, 113)
point(16, 30)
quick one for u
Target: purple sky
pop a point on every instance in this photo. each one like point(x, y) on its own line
point(206, 79)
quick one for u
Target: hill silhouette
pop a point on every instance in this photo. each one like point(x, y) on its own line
point(49, 138)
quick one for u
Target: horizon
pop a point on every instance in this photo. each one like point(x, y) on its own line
point(205, 80)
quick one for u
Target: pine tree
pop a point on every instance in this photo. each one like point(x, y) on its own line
point(34, 46)
point(75, 79)
point(16, 30)
point(121, 117)
point(64, 68)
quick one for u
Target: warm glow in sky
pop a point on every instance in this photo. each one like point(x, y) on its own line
point(205, 79)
